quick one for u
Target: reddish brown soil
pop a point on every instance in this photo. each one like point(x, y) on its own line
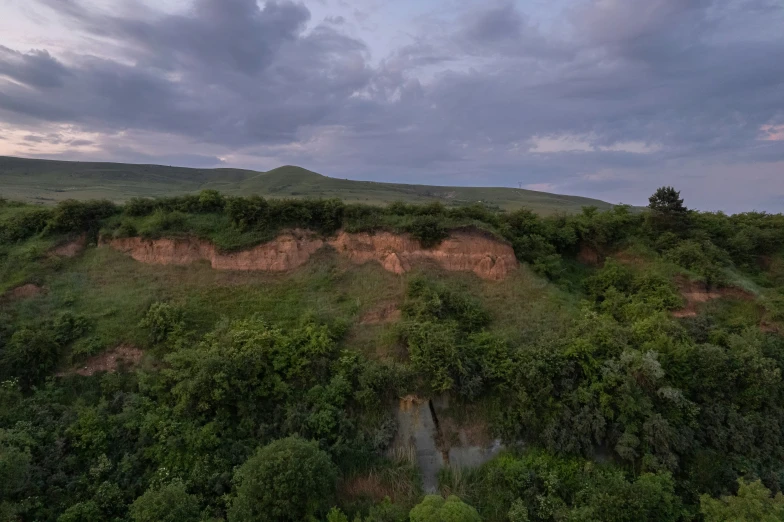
point(697, 293)
point(589, 256)
point(368, 486)
point(26, 291)
point(109, 361)
point(463, 251)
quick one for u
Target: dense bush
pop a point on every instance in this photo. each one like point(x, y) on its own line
point(166, 503)
point(539, 487)
point(288, 480)
point(80, 216)
point(23, 223)
point(435, 508)
point(163, 321)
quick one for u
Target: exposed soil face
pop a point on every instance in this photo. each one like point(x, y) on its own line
point(72, 248)
point(463, 251)
point(109, 361)
point(697, 293)
point(25, 291)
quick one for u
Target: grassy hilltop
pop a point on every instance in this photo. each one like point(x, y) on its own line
point(51, 181)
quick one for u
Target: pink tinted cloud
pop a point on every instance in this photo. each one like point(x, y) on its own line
point(772, 132)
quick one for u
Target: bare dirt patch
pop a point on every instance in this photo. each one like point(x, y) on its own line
point(369, 486)
point(589, 256)
point(71, 248)
point(26, 291)
point(109, 361)
point(697, 293)
point(384, 314)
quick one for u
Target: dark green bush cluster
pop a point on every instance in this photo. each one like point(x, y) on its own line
point(80, 216)
point(31, 352)
point(165, 445)
point(69, 216)
point(537, 486)
point(204, 202)
point(448, 344)
point(22, 223)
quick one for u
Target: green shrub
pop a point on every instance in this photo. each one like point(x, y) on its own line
point(435, 508)
point(163, 222)
point(246, 213)
point(163, 321)
point(428, 229)
point(210, 201)
point(83, 512)
point(80, 216)
point(138, 207)
point(167, 503)
point(23, 224)
point(612, 275)
point(753, 502)
point(288, 480)
point(31, 355)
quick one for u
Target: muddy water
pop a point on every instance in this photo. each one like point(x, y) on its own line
point(420, 434)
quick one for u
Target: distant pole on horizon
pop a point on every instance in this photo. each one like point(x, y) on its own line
point(520, 184)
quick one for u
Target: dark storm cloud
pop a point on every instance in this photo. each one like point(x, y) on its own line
point(500, 22)
point(36, 68)
point(227, 72)
point(648, 85)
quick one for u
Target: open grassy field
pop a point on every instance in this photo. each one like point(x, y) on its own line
point(44, 181)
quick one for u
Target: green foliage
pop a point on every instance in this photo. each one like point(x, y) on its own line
point(288, 480)
point(79, 216)
point(447, 343)
point(753, 503)
point(163, 321)
point(23, 223)
point(336, 515)
point(33, 351)
point(428, 230)
point(667, 200)
point(82, 512)
point(435, 508)
point(243, 368)
point(538, 487)
point(246, 213)
point(167, 503)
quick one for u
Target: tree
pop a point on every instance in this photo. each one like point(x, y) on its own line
point(667, 200)
point(668, 214)
point(168, 503)
point(753, 503)
point(290, 479)
point(435, 509)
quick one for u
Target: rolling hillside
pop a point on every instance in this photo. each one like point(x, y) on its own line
point(45, 181)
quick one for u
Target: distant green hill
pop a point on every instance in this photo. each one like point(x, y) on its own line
point(46, 181)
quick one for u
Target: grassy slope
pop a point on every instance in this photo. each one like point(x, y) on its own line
point(113, 292)
point(46, 181)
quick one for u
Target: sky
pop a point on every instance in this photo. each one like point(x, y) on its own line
point(601, 98)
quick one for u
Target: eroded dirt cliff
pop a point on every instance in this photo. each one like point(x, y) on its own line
point(464, 251)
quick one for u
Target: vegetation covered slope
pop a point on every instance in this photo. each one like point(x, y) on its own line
point(52, 181)
point(272, 397)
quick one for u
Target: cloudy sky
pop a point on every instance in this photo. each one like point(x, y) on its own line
point(603, 98)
